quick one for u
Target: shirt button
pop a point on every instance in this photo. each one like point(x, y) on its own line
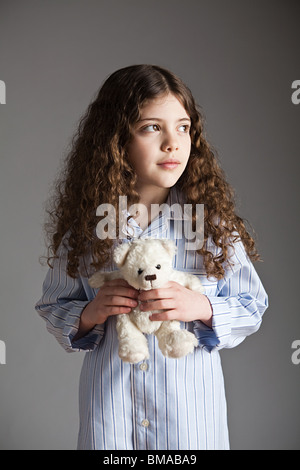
point(145, 423)
point(144, 366)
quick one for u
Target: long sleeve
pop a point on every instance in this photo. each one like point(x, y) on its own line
point(238, 304)
point(63, 299)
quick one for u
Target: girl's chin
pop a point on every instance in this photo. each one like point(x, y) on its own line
point(165, 181)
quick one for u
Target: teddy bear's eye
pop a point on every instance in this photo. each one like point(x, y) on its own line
point(158, 266)
point(140, 271)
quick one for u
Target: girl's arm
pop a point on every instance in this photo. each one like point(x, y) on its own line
point(237, 306)
point(78, 322)
point(62, 302)
point(115, 297)
point(221, 320)
point(176, 302)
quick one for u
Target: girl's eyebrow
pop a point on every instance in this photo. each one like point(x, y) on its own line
point(158, 119)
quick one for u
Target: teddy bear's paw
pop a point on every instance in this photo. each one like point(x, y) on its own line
point(178, 344)
point(134, 352)
point(133, 357)
point(96, 280)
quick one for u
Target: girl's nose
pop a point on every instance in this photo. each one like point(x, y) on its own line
point(170, 144)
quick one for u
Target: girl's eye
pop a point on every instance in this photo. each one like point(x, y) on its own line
point(184, 128)
point(151, 128)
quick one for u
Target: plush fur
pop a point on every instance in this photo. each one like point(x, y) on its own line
point(147, 264)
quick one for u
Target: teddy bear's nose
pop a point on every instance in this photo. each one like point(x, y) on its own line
point(150, 277)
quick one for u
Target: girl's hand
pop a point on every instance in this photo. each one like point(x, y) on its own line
point(179, 303)
point(114, 297)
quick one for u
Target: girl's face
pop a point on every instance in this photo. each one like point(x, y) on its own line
point(160, 144)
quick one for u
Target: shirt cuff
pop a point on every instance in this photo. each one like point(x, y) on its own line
point(86, 343)
point(208, 337)
point(205, 335)
point(221, 319)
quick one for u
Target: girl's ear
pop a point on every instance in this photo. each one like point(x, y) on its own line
point(169, 246)
point(120, 254)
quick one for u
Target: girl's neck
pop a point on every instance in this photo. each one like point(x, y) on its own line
point(149, 197)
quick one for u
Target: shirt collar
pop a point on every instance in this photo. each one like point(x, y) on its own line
point(171, 210)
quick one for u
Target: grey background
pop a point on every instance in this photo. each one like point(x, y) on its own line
point(240, 59)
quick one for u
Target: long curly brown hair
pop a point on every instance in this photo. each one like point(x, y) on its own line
point(97, 170)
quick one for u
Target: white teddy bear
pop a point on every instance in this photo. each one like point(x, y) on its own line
point(147, 264)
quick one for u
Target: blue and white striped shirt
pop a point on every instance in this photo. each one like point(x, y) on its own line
point(161, 403)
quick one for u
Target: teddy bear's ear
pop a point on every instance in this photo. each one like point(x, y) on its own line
point(169, 246)
point(120, 253)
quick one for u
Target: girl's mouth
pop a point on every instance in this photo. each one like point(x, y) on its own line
point(169, 165)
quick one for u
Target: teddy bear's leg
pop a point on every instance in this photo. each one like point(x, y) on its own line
point(133, 346)
point(173, 341)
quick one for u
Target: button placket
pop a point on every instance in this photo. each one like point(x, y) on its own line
point(144, 423)
point(144, 366)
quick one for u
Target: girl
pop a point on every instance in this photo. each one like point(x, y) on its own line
point(143, 138)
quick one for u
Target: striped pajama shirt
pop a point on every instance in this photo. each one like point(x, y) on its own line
point(159, 403)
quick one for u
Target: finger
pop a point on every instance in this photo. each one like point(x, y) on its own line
point(165, 304)
point(154, 294)
point(122, 291)
point(117, 300)
point(164, 316)
point(115, 310)
point(118, 286)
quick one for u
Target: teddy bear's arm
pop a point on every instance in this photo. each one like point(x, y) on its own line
point(99, 278)
point(190, 281)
